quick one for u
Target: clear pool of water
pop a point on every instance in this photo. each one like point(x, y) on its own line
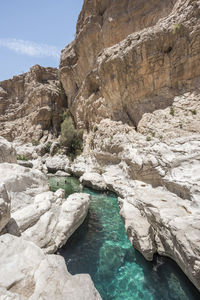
point(101, 248)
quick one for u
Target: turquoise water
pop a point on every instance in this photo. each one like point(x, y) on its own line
point(101, 248)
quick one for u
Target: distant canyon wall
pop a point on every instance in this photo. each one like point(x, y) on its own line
point(31, 104)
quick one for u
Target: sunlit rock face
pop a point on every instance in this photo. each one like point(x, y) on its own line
point(129, 58)
point(27, 273)
point(31, 104)
point(156, 179)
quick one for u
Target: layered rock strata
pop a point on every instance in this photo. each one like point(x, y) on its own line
point(31, 104)
point(115, 68)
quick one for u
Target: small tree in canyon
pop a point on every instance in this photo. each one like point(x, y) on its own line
point(71, 138)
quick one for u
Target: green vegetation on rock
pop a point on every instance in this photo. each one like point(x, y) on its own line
point(71, 138)
point(47, 147)
point(171, 111)
point(22, 157)
point(35, 142)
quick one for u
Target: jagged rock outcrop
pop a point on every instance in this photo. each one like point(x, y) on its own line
point(132, 63)
point(179, 120)
point(105, 76)
point(7, 151)
point(34, 216)
point(156, 179)
point(27, 273)
point(136, 62)
point(31, 104)
point(39, 215)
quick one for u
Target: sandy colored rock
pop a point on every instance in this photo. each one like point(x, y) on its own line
point(30, 104)
point(179, 120)
point(26, 273)
point(7, 152)
point(141, 55)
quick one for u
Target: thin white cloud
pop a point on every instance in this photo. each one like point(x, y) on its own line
point(30, 48)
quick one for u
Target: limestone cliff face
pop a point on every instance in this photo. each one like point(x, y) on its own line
point(130, 57)
point(137, 62)
point(30, 104)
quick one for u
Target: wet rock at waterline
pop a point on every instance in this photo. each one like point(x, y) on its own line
point(27, 273)
point(57, 163)
point(158, 183)
point(101, 248)
point(41, 216)
point(93, 180)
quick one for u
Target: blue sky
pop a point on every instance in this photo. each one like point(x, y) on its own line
point(34, 32)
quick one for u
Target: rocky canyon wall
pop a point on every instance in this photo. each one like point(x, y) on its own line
point(130, 57)
point(30, 104)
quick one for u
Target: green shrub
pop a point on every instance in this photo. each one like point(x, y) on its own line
point(171, 111)
point(95, 128)
point(153, 134)
point(194, 112)
point(148, 138)
point(66, 115)
point(35, 142)
point(47, 147)
point(22, 157)
point(176, 28)
point(71, 138)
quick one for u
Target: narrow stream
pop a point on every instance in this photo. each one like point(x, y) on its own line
point(101, 248)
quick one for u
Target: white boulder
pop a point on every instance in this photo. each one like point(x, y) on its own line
point(39, 215)
point(22, 184)
point(27, 273)
point(57, 163)
point(93, 180)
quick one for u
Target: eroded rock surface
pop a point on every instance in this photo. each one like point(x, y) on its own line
point(34, 216)
point(157, 181)
point(39, 215)
point(30, 104)
point(57, 163)
point(27, 273)
point(7, 152)
point(22, 184)
point(115, 68)
point(93, 180)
